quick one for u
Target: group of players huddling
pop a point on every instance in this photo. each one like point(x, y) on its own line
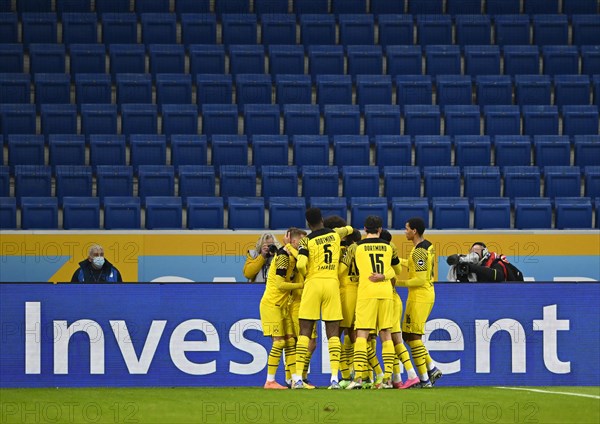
point(348, 282)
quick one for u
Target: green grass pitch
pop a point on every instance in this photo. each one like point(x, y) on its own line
point(255, 405)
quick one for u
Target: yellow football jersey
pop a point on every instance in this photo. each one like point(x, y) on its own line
point(374, 255)
point(319, 253)
point(281, 273)
point(421, 263)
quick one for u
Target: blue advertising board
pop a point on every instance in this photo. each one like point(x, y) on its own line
point(70, 335)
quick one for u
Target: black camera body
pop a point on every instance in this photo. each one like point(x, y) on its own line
point(462, 272)
point(273, 249)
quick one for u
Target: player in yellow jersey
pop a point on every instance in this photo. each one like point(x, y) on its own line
point(421, 297)
point(318, 261)
point(374, 304)
point(274, 314)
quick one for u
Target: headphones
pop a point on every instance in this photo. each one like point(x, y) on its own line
point(485, 253)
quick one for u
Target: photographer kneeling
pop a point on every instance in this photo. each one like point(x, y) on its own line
point(481, 265)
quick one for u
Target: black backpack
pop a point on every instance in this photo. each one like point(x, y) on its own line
point(512, 272)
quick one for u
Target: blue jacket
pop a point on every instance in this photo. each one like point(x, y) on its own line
point(86, 273)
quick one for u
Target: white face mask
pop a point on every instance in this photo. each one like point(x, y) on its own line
point(98, 261)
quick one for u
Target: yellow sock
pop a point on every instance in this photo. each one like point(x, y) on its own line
point(335, 348)
point(404, 356)
point(290, 358)
point(301, 354)
point(373, 361)
point(274, 358)
point(388, 354)
point(360, 356)
point(419, 352)
point(345, 358)
point(307, 359)
point(396, 368)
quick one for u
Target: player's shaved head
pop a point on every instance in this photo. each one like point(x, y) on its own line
point(334, 221)
point(314, 217)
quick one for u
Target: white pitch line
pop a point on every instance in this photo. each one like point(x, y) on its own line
point(551, 392)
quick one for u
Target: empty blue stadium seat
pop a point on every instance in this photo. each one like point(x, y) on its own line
point(462, 120)
point(231, 6)
point(270, 6)
point(455, 7)
point(552, 150)
point(173, 89)
point(403, 60)
point(592, 181)
point(348, 6)
point(17, 119)
point(421, 120)
point(25, 150)
point(252, 89)
point(473, 29)
point(52, 88)
point(32, 181)
point(119, 28)
point(586, 29)
point(48, 58)
point(481, 181)
point(532, 89)
point(540, 120)
point(317, 29)
point(442, 60)
point(362, 207)
point(112, 6)
point(414, 89)
point(562, 181)
point(67, 149)
point(350, 150)
point(114, 180)
point(93, 88)
point(358, 29)
point(450, 212)
point(596, 84)
point(482, 60)
point(512, 30)
point(59, 119)
point(382, 119)
point(417, 7)
point(107, 149)
point(401, 181)
point(432, 150)
point(442, 181)
point(207, 59)
point(341, 120)
point(79, 28)
point(87, 58)
point(587, 150)
point(512, 150)
point(533, 7)
point(393, 150)
point(38, 27)
point(310, 150)
point(533, 213)
point(15, 88)
point(394, 29)
point(159, 28)
point(139, 119)
point(590, 60)
point(205, 213)
point(134, 88)
point(39, 213)
point(127, 58)
point(573, 212)
point(163, 213)
point(278, 28)
point(4, 181)
point(166, 58)
point(571, 7)
point(261, 119)
point(319, 181)
point(198, 28)
point(521, 60)
point(279, 180)
point(472, 150)
point(155, 180)
point(365, 60)
point(196, 181)
point(98, 119)
point(293, 89)
point(301, 119)
point(147, 150)
point(152, 6)
point(453, 90)
point(560, 60)
point(550, 30)
point(434, 29)
point(122, 213)
point(9, 27)
point(246, 212)
point(179, 119)
point(237, 180)
point(286, 59)
point(494, 90)
point(8, 213)
point(214, 88)
point(73, 181)
point(302, 7)
point(330, 206)
point(229, 150)
point(491, 213)
point(325, 60)
point(521, 181)
point(580, 120)
point(246, 59)
point(269, 150)
point(11, 57)
point(334, 90)
point(373, 90)
point(502, 7)
point(239, 28)
point(383, 7)
point(404, 208)
point(502, 120)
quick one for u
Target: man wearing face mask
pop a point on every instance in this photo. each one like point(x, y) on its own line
point(480, 265)
point(96, 269)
